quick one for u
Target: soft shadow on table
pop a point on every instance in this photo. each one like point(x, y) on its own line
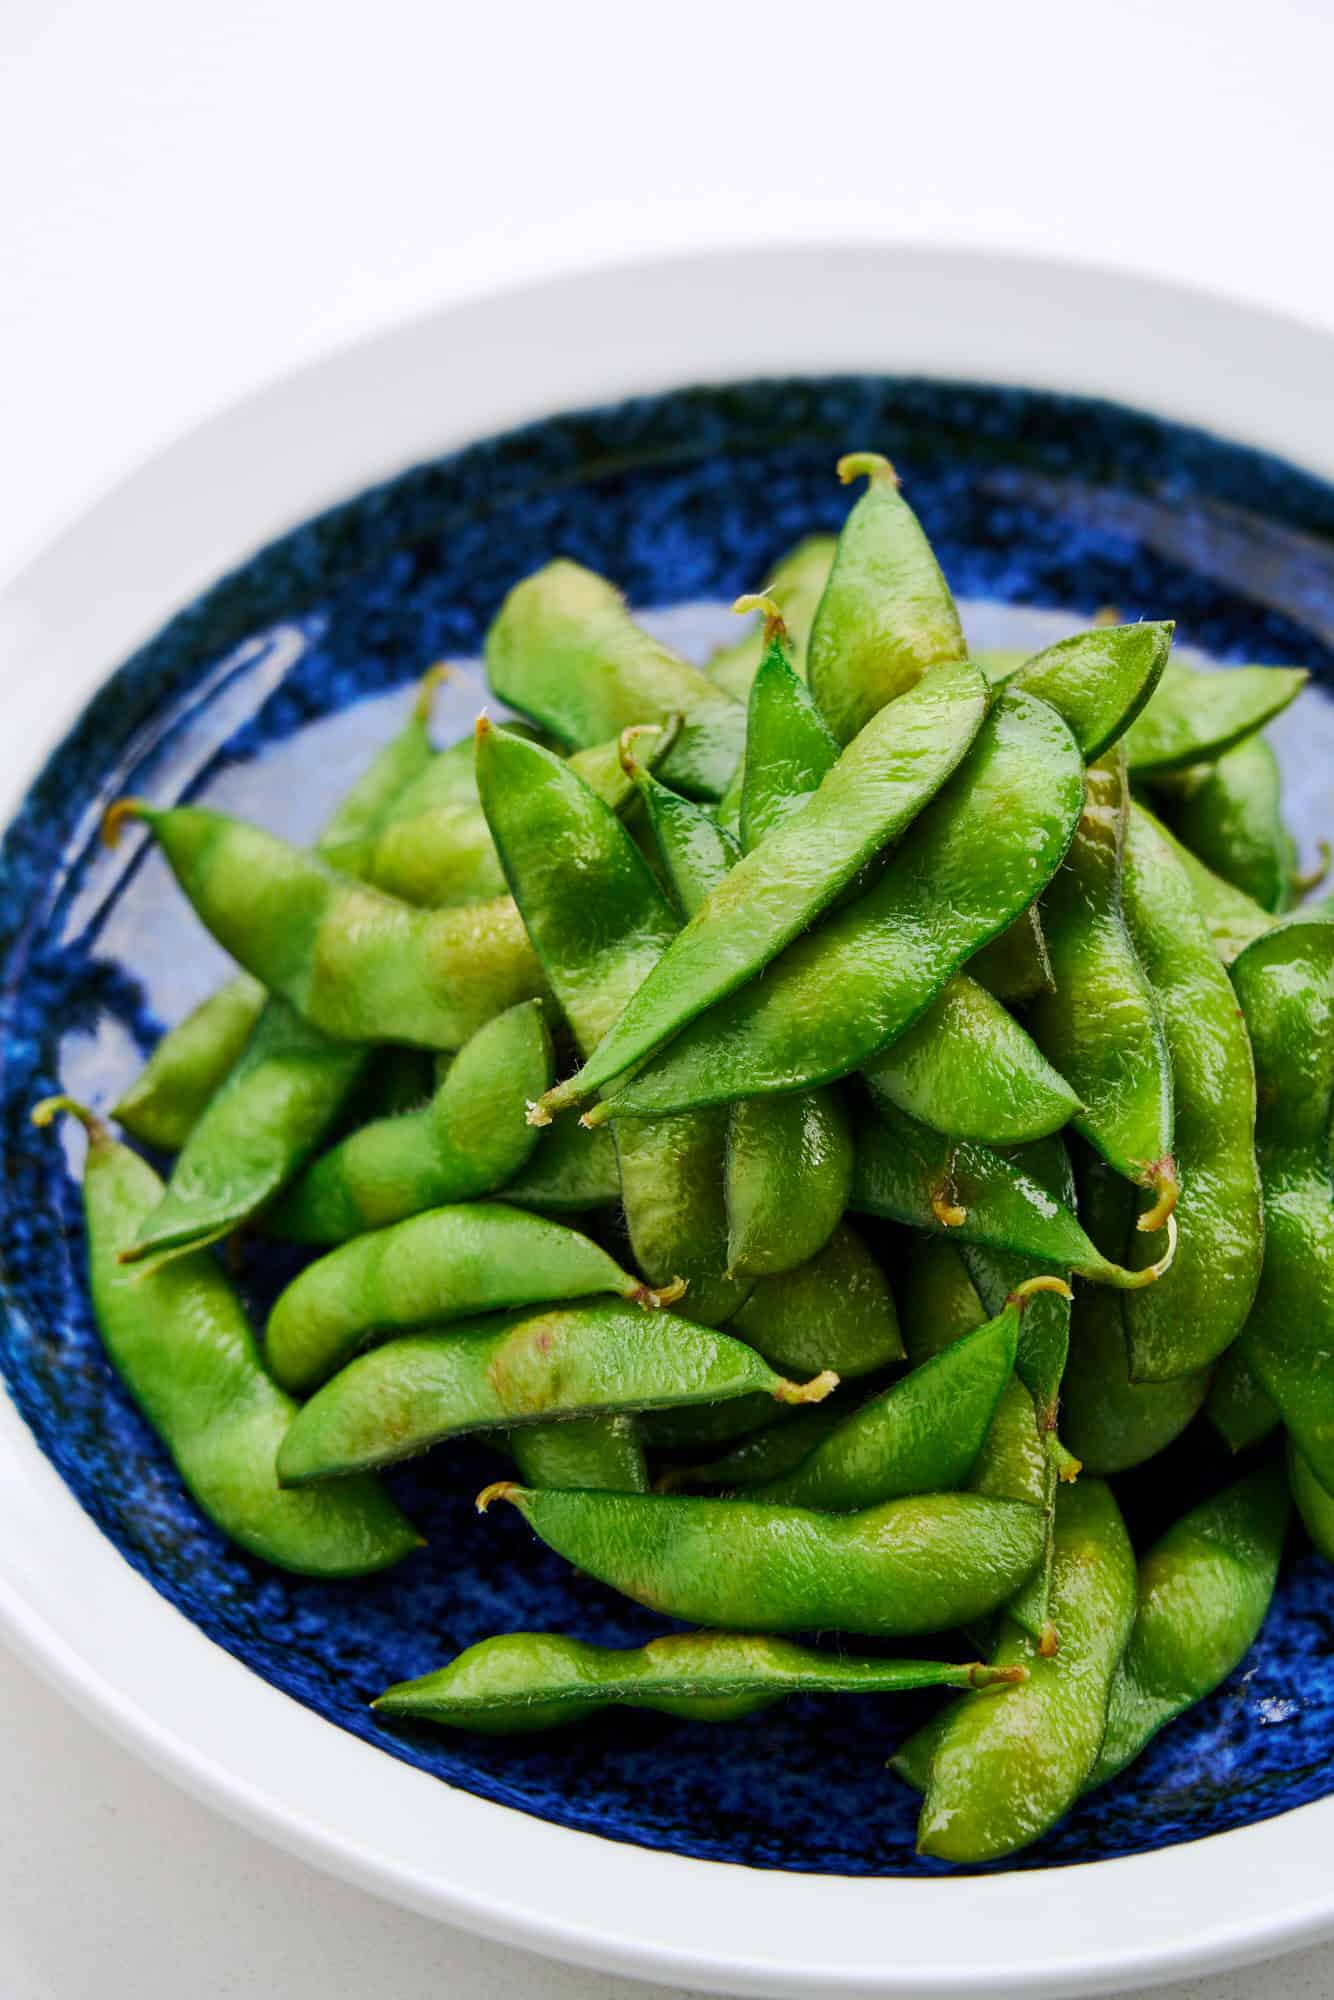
point(113, 1882)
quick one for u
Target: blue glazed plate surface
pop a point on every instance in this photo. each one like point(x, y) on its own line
point(267, 696)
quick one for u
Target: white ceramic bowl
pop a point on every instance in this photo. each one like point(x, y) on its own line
point(119, 1650)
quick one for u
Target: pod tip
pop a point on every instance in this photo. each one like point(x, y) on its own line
point(536, 1113)
point(947, 1212)
point(426, 687)
point(758, 600)
point(980, 1675)
point(499, 1489)
point(483, 727)
point(50, 1108)
point(115, 816)
point(654, 1297)
point(1046, 1281)
point(814, 1391)
point(1161, 1177)
point(597, 1114)
point(872, 465)
point(1049, 1642)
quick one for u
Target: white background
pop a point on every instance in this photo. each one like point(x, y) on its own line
point(192, 200)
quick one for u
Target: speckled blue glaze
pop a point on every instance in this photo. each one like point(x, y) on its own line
point(286, 667)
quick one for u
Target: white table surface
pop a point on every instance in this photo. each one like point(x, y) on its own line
point(192, 200)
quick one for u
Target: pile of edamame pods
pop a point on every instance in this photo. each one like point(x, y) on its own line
point(822, 1116)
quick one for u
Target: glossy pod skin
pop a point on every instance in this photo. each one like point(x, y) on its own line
point(922, 1435)
point(1203, 1592)
point(1110, 1422)
point(1240, 1408)
point(844, 992)
point(599, 922)
point(762, 1455)
point(838, 1302)
point(470, 1139)
point(877, 787)
point(530, 1367)
point(1194, 717)
point(999, 1777)
point(522, 1681)
point(696, 852)
point(284, 1092)
point(181, 1343)
point(357, 964)
point(886, 614)
point(568, 1172)
point(1194, 1314)
point(1285, 983)
point(564, 650)
point(1229, 814)
point(796, 585)
point(1098, 680)
point(905, 1173)
point(917, 1565)
point(193, 1060)
point(448, 1264)
point(1314, 1503)
point(790, 749)
point(967, 1068)
point(1101, 1025)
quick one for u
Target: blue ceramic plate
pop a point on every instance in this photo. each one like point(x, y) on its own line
point(265, 698)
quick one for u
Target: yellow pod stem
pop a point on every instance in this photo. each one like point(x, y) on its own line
point(872, 465)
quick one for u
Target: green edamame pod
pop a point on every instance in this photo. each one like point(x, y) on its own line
point(448, 1264)
point(886, 614)
point(1314, 1502)
point(470, 1139)
point(600, 1454)
point(1194, 717)
point(1000, 1775)
point(967, 1067)
point(789, 747)
point(1240, 1409)
point(1180, 1326)
point(193, 1060)
point(695, 850)
point(1101, 1025)
point(849, 988)
point(762, 1455)
point(796, 585)
point(906, 1173)
point(916, 1565)
point(709, 1424)
point(787, 1177)
point(181, 1344)
point(1285, 983)
point(357, 964)
point(1015, 966)
point(1204, 1589)
point(1232, 918)
point(570, 1170)
point(564, 649)
point(1230, 814)
point(1098, 680)
point(1109, 1422)
point(539, 1680)
point(875, 789)
point(922, 1435)
point(529, 1367)
point(838, 1300)
point(190, 1065)
point(284, 1092)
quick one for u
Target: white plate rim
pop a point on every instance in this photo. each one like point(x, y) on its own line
point(70, 1602)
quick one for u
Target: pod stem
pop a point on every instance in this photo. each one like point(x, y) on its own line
point(1135, 1281)
point(1162, 1178)
point(775, 626)
point(597, 1114)
point(872, 465)
point(499, 1489)
point(115, 816)
point(1044, 1282)
point(1306, 879)
point(625, 750)
point(426, 688)
point(980, 1675)
point(50, 1109)
point(814, 1391)
point(655, 1297)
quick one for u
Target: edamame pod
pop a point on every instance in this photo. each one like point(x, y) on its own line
point(1204, 1589)
point(355, 963)
point(600, 1454)
point(564, 649)
point(1101, 1025)
point(1314, 1502)
point(848, 989)
point(190, 1065)
point(906, 1173)
point(877, 787)
point(967, 1067)
point(470, 1139)
point(796, 585)
point(530, 1367)
point(1229, 814)
point(448, 1264)
point(570, 1170)
point(763, 1455)
point(1015, 966)
point(1190, 1319)
point(788, 1172)
point(1240, 1408)
point(1193, 716)
point(696, 851)
point(1098, 680)
point(181, 1344)
point(838, 1300)
point(886, 614)
point(916, 1565)
point(599, 922)
point(1285, 983)
point(922, 1435)
point(539, 1680)
point(1001, 1775)
point(789, 747)
point(283, 1094)
point(1232, 918)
